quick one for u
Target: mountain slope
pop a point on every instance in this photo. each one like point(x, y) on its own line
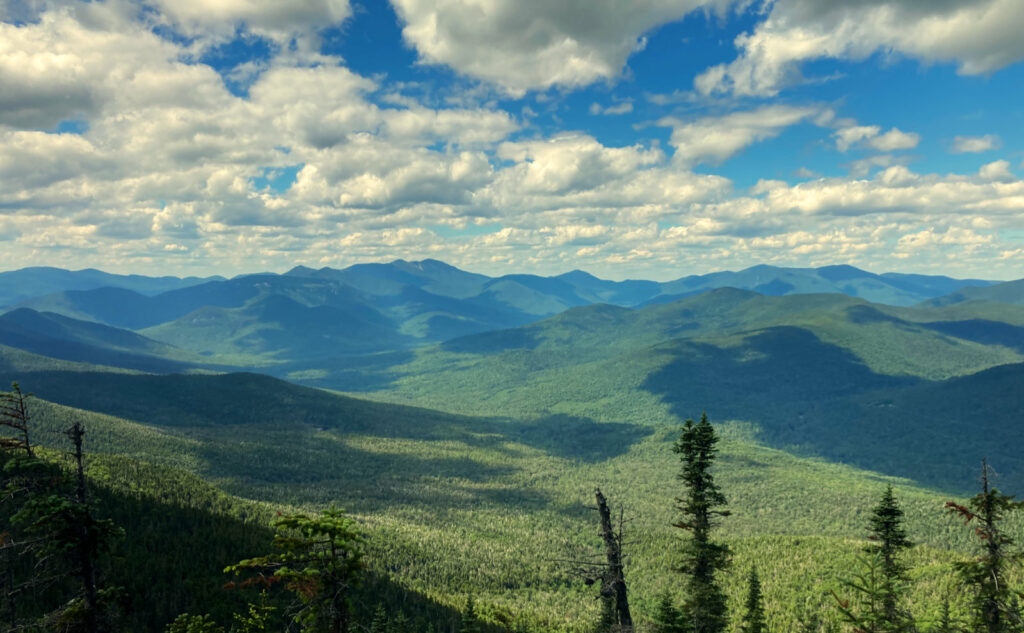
point(458, 505)
point(64, 338)
point(804, 369)
point(1008, 292)
point(17, 286)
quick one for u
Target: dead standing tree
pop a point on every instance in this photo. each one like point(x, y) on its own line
point(613, 584)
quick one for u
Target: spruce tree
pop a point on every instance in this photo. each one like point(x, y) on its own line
point(320, 560)
point(667, 618)
point(379, 624)
point(701, 506)
point(469, 621)
point(888, 542)
point(753, 618)
point(993, 604)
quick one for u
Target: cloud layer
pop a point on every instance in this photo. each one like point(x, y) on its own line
point(119, 149)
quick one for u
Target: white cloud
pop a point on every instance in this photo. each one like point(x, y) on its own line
point(894, 140)
point(534, 44)
point(715, 139)
point(850, 135)
point(998, 170)
point(163, 176)
point(975, 144)
point(980, 36)
point(846, 137)
point(623, 107)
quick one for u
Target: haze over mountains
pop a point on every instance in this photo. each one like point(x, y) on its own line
point(268, 319)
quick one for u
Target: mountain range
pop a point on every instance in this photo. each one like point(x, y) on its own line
point(481, 411)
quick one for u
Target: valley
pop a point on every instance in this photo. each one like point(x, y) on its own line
point(464, 421)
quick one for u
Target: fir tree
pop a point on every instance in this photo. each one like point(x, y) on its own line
point(945, 623)
point(888, 542)
point(993, 604)
point(702, 558)
point(753, 618)
point(667, 618)
point(320, 560)
point(469, 621)
point(379, 623)
point(186, 623)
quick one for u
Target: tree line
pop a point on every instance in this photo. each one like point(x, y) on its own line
point(52, 541)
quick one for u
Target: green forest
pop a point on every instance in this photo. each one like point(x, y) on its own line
point(93, 542)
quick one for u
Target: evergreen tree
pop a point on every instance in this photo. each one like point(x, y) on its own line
point(993, 604)
point(888, 542)
point(258, 617)
point(945, 623)
point(67, 540)
point(702, 558)
point(753, 618)
point(399, 624)
point(320, 560)
point(469, 621)
point(667, 618)
point(379, 623)
point(186, 623)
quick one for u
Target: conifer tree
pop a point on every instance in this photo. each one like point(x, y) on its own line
point(469, 621)
point(320, 560)
point(186, 623)
point(888, 541)
point(993, 603)
point(701, 506)
point(399, 624)
point(753, 618)
point(945, 623)
point(667, 618)
point(379, 623)
point(68, 539)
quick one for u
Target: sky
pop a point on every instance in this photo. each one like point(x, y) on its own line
point(629, 138)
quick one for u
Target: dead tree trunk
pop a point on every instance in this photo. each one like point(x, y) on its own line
point(86, 552)
point(614, 583)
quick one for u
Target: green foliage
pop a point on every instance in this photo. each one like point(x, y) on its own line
point(667, 618)
point(888, 542)
point(470, 623)
point(257, 618)
point(186, 623)
point(320, 561)
point(994, 605)
point(753, 612)
point(865, 612)
point(702, 558)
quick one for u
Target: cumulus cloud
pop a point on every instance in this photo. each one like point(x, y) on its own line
point(170, 170)
point(851, 135)
point(715, 139)
point(525, 45)
point(975, 144)
point(979, 36)
point(280, 21)
point(998, 170)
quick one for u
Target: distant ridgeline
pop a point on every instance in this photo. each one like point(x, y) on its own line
point(478, 414)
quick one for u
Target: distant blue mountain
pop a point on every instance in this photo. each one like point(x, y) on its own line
point(21, 285)
point(368, 308)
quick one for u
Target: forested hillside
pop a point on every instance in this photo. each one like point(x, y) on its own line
point(469, 465)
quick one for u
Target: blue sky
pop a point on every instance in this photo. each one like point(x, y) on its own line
point(629, 138)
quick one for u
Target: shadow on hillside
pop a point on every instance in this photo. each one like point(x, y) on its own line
point(579, 438)
point(982, 331)
point(168, 512)
point(262, 437)
point(365, 372)
point(805, 393)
